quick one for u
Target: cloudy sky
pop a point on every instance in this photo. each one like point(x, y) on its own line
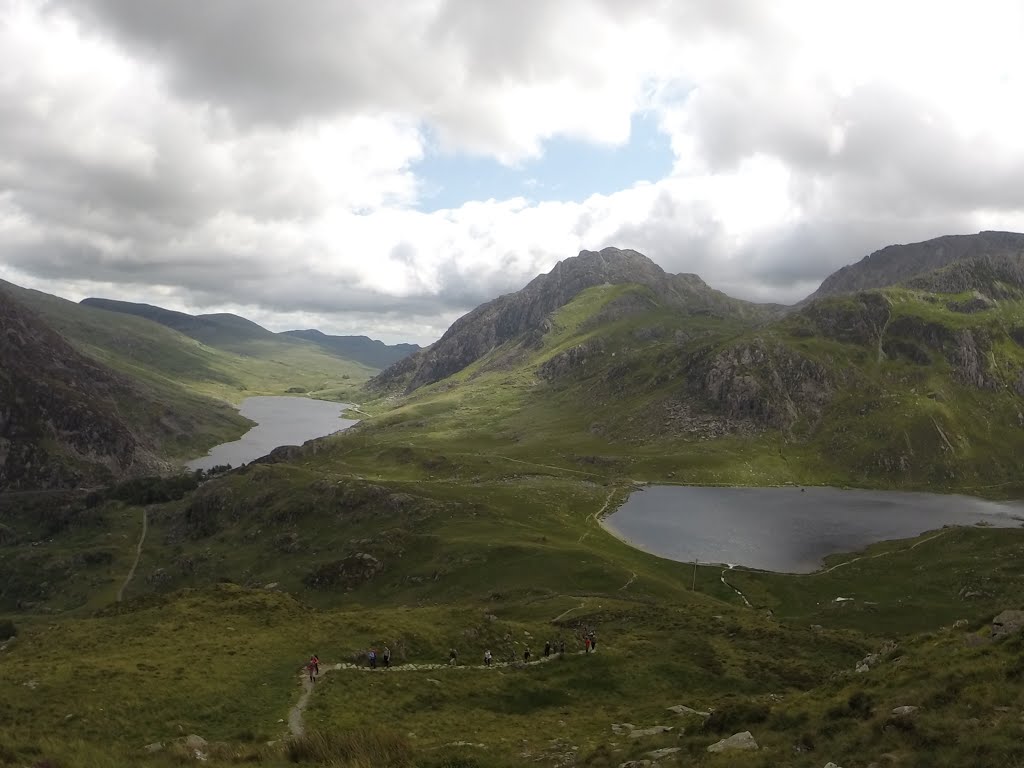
point(382, 167)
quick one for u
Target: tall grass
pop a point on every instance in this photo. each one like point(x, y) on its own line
point(356, 748)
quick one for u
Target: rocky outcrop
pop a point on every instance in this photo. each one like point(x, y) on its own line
point(899, 264)
point(346, 574)
point(858, 319)
point(1007, 623)
point(59, 411)
point(762, 381)
point(492, 324)
point(565, 363)
point(743, 741)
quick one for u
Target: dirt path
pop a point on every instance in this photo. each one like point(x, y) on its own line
point(596, 516)
point(943, 532)
point(297, 728)
point(632, 578)
point(138, 554)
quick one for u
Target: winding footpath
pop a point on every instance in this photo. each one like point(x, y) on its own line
point(138, 555)
point(296, 726)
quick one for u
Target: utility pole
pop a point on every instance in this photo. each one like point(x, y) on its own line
point(694, 585)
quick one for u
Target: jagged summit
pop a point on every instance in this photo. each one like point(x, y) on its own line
point(502, 319)
point(897, 264)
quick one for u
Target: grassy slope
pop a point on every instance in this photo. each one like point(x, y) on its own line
point(188, 382)
point(490, 493)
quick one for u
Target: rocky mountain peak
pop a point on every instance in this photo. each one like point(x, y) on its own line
point(488, 326)
point(898, 264)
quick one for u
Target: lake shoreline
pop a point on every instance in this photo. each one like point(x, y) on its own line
point(279, 420)
point(787, 529)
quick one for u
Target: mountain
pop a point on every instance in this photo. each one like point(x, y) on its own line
point(901, 264)
point(914, 385)
point(61, 420)
point(492, 324)
point(362, 349)
point(184, 382)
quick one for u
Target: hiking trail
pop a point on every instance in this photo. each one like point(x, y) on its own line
point(138, 555)
point(596, 516)
point(296, 727)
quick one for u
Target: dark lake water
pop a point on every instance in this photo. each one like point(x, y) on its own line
point(785, 529)
point(279, 421)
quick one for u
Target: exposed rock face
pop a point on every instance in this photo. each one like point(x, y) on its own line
point(571, 359)
point(738, 741)
point(764, 382)
point(1007, 623)
point(345, 574)
point(858, 319)
point(898, 264)
point(59, 422)
point(475, 334)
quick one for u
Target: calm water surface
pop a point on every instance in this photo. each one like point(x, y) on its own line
point(786, 529)
point(279, 421)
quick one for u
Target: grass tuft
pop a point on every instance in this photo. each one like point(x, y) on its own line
point(357, 748)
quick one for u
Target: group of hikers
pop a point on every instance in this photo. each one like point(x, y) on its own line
point(589, 644)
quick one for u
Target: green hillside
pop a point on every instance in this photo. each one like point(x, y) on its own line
point(155, 353)
point(466, 514)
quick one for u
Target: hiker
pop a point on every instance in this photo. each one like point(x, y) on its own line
point(487, 658)
point(315, 661)
point(547, 648)
point(312, 671)
point(586, 643)
point(387, 656)
point(526, 655)
point(593, 640)
point(373, 658)
point(453, 657)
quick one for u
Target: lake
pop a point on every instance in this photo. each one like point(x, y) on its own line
point(279, 421)
point(786, 529)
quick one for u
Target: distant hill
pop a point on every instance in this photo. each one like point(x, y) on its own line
point(362, 349)
point(901, 264)
point(222, 330)
point(526, 311)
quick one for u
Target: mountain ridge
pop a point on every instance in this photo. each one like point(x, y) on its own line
point(497, 321)
point(362, 349)
point(898, 264)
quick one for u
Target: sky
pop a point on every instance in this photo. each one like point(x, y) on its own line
point(383, 167)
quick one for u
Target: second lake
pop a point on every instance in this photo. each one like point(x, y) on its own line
point(787, 529)
point(279, 421)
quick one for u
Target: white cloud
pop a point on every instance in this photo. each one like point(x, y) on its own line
point(262, 155)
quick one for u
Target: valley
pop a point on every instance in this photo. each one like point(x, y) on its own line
point(464, 511)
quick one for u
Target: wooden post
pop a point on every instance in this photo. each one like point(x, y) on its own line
point(694, 585)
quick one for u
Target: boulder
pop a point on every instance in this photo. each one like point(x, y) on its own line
point(1007, 623)
point(682, 709)
point(156, 746)
point(654, 730)
point(831, 765)
point(657, 754)
point(195, 742)
point(904, 711)
point(739, 741)
point(636, 764)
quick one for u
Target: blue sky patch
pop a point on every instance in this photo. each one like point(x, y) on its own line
point(568, 169)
